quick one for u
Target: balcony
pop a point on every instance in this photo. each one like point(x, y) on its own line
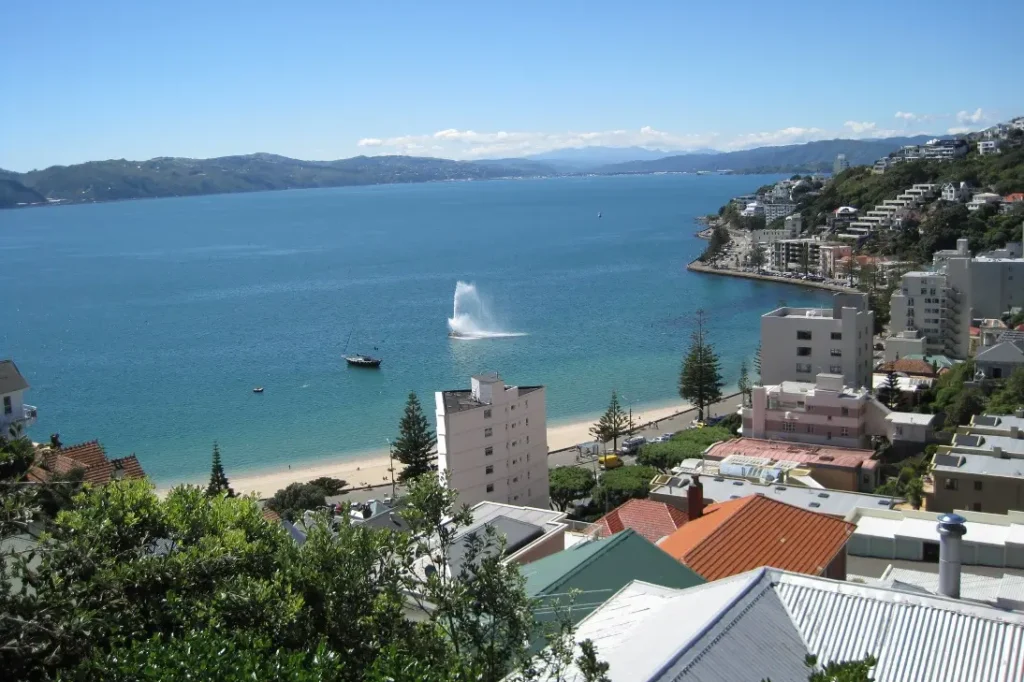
point(25, 419)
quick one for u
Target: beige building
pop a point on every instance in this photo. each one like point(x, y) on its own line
point(492, 442)
point(983, 469)
point(939, 313)
point(800, 343)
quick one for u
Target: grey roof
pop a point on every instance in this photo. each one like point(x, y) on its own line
point(979, 465)
point(459, 401)
point(10, 378)
point(517, 535)
point(997, 590)
point(763, 623)
point(832, 502)
point(1004, 351)
point(1002, 422)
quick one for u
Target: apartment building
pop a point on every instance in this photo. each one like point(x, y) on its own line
point(983, 469)
point(988, 147)
point(829, 256)
point(993, 283)
point(794, 254)
point(775, 210)
point(792, 226)
point(928, 304)
point(798, 343)
point(492, 442)
point(840, 164)
point(824, 412)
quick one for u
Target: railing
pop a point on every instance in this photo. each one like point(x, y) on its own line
point(29, 412)
point(591, 530)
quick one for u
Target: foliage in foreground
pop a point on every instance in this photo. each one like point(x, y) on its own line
point(128, 586)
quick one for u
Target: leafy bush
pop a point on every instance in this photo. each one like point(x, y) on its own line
point(625, 483)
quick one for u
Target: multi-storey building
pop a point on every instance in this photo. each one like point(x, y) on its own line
point(492, 442)
point(823, 413)
point(992, 282)
point(988, 147)
point(775, 210)
point(840, 164)
point(829, 256)
point(928, 304)
point(796, 255)
point(798, 343)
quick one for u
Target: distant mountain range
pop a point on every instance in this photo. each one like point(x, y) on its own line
point(170, 177)
point(808, 157)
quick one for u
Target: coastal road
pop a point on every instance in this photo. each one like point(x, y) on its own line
point(568, 457)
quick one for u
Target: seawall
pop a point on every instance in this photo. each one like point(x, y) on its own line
point(697, 266)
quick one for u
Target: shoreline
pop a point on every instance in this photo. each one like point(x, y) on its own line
point(370, 469)
point(695, 266)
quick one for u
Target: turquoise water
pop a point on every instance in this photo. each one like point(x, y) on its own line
point(146, 324)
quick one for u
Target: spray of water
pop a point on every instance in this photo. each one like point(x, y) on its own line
point(471, 318)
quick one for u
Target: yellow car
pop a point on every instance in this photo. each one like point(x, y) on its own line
point(609, 461)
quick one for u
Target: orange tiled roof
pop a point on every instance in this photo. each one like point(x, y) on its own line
point(653, 520)
point(1016, 196)
point(740, 535)
point(128, 466)
point(271, 515)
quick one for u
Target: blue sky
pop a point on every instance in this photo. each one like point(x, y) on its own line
point(322, 80)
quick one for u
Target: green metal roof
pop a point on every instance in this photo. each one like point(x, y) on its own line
point(940, 361)
point(618, 559)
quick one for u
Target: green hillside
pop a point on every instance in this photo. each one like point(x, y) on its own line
point(13, 193)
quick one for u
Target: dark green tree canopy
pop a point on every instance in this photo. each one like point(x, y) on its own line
point(415, 443)
point(700, 380)
point(568, 484)
point(218, 480)
point(614, 423)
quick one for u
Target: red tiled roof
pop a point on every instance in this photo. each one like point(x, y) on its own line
point(740, 535)
point(912, 367)
point(653, 520)
point(271, 515)
point(1016, 196)
point(61, 464)
point(129, 466)
point(817, 455)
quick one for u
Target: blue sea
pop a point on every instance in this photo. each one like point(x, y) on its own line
point(146, 324)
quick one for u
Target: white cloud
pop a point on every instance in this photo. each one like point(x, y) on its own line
point(959, 130)
point(971, 117)
point(906, 116)
point(860, 127)
point(473, 144)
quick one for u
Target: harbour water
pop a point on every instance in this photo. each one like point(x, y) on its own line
point(146, 324)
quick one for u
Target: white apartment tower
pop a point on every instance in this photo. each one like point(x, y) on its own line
point(797, 344)
point(940, 314)
point(492, 442)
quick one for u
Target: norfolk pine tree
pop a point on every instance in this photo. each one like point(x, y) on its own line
point(613, 423)
point(700, 380)
point(218, 480)
point(415, 441)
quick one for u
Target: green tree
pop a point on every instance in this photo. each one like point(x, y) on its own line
point(613, 424)
point(757, 257)
point(743, 384)
point(292, 501)
point(700, 380)
point(415, 443)
point(889, 392)
point(664, 456)
point(218, 480)
point(1010, 396)
point(805, 257)
point(625, 483)
point(568, 484)
point(965, 405)
point(129, 586)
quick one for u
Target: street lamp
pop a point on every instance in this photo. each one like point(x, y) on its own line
point(391, 466)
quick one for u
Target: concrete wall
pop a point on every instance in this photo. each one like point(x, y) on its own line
point(552, 544)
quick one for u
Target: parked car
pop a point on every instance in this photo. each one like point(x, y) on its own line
point(609, 461)
point(715, 420)
point(631, 445)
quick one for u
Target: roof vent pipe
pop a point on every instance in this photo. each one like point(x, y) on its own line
point(951, 529)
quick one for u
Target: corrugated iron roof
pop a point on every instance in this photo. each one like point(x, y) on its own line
point(653, 520)
point(739, 535)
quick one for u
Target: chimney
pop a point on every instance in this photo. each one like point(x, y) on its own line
point(695, 498)
point(951, 529)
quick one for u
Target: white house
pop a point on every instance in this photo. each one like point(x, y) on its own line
point(988, 147)
point(492, 442)
point(956, 192)
point(12, 387)
point(982, 198)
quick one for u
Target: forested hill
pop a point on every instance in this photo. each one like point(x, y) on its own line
point(804, 158)
point(170, 177)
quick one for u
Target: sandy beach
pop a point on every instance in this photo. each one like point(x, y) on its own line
point(371, 469)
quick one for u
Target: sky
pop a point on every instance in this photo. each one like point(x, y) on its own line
point(104, 79)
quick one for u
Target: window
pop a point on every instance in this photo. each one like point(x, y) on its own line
point(515, 498)
point(527, 454)
point(845, 412)
point(837, 336)
point(490, 487)
point(835, 369)
point(836, 352)
point(527, 421)
point(977, 506)
point(489, 470)
point(951, 484)
point(515, 480)
point(810, 428)
point(488, 451)
point(803, 335)
point(844, 432)
point(7, 405)
point(789, 427)
point(487, 413)
point(513, 408)
point(803, 351)
point(977, 485)
point(488, 432)
point(802, 368)
point(527, 474)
